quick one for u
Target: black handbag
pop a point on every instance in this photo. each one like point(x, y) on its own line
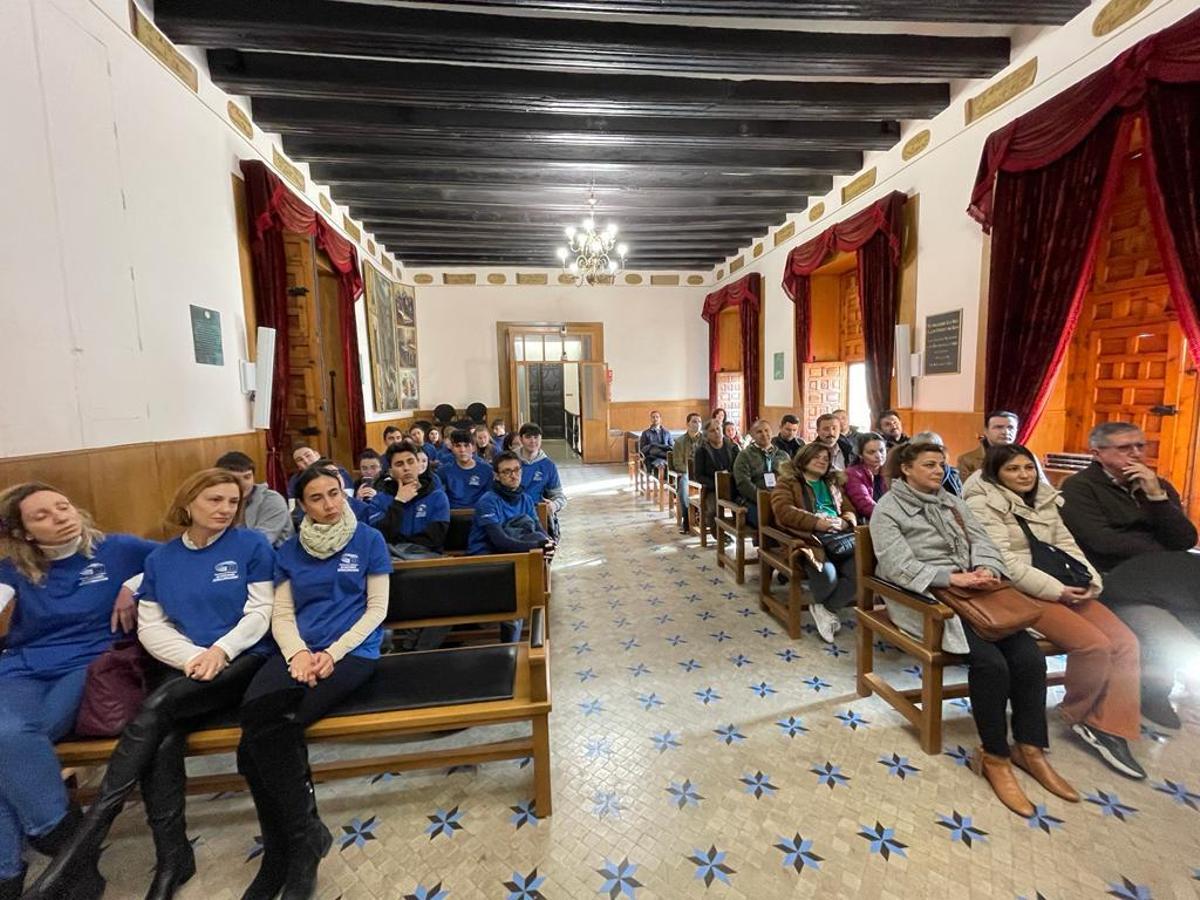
point(838, 545)
point(1055, 562)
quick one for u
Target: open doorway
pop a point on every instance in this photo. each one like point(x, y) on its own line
point(837, 377)
point(318, 402)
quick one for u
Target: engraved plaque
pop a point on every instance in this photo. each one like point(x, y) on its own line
point(1116, 14)
point(860, 185)
point(695, 279)
point(325, 204)
point(240, 120)
point(351, 229)
point(633, 278)
point(1002, 91)
point(497, 278)
point(916, 144)
point(758, 250)
point(290, 173)
point(737, 264)
point(458, 278)
point(664, 280)
point(423, 278)
point(162, 49)
point(785, 233)
point(816, 212)
point(532, 278)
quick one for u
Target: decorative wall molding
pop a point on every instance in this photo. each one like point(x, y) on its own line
point(240, 120)
point(916, 144)
point(758, 250)
point(664, 280)
point(785, 233)
point(287, 169)
point(532, 278)
point(387, 264)
point(737, 264)
point(423, 278)
point(633, 278)
point(860, 185)
point(720, 274)
point(458, 278)
point(816, 212)
point(497, 278)
point(1014, 83)
point(564, 278)
point(695, 279)
point(1116, 14)
point(325, 204)
point(351, 229)
point(162, 49)
point(370, 247)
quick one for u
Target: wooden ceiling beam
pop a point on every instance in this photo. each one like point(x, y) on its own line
point(1010, 12)
point(606, 46)
point(303, 77)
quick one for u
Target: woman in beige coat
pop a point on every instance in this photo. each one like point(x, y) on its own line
point(1101, 704)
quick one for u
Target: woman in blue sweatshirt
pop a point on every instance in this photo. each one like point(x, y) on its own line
point(331, 597)
point(203, 612)
point(63, 581)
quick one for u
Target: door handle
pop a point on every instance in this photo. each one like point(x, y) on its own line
point(1164, 410)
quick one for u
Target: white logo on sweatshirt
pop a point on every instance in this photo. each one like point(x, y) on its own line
point(93, 573)
point(225, 571)
point(348, 563)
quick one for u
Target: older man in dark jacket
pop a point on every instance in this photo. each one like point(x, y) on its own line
point(1131, 526)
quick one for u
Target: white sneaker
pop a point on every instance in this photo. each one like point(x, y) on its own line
point(828, 624)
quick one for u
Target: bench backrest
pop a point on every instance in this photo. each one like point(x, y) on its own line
point(460, 530)
point(453, 590)
point(724, 485)
point(864, 563)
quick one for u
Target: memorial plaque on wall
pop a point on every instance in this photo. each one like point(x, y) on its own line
point(206, 336)
point(943, 343)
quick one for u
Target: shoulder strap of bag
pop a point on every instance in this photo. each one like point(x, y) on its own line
point(1029, 535)
point(961, 524)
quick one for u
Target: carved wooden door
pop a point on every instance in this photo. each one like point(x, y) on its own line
point(825, 389)
point(304, 346)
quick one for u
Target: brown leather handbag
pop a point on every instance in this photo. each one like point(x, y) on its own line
point(993, 613)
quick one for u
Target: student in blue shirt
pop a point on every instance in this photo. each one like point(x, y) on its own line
point(331, 597)
point(485, 448)
point(499, 433)
point(415, 518)
point(65, 583)
point(506, 521)
point(467, 478)
point(204, 611)
point(539, 474)
point(304, 456)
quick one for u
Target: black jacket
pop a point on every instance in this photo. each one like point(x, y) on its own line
point(709, 461)
point(791, 448)
point(1113, 525)
point(391, 524)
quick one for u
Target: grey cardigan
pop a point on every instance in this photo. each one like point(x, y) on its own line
point(919, 544)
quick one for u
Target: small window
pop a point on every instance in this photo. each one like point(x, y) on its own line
point(574, 349)
point(533, 348)
point(858, 407)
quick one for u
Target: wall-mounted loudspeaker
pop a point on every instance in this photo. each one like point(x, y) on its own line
point(903, 367)
point(264, 378)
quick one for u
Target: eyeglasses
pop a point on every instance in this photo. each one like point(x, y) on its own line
point(1126, 448)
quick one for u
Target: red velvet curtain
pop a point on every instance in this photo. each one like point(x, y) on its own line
point(746, 294)
point(1172, 161)
point(273, 209)
point(1045, 184)
point(1047, 226)
point(875, 234)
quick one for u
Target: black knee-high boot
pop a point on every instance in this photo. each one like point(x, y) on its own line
point(272, 869)
point(164, 791)
point(10, 888)
point(84, 881)
point(273, 741)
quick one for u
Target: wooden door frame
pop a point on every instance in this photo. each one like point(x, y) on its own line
point(504, 360)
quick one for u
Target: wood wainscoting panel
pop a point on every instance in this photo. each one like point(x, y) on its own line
point(128, 487)
point(774, 413)
point(634, 415)
point(959, 430)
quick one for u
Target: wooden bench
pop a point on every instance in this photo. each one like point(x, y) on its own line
point(696, 500)
point(459, 535)
point(779, 551)
point(921, 706)
point(425, 692)
point(731, 522)
point(682, 515)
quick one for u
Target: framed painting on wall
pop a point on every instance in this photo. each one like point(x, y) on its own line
point(392, 341)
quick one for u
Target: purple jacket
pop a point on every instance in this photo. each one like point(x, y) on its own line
point(860, 488)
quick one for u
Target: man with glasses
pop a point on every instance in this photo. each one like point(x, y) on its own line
point(1130, 524)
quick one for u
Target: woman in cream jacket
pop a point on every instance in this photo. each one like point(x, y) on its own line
point(1101, 704)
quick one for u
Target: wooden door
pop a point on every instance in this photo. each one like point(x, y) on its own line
point(731, 396)
point(850, 323)
point(338, 443)
point(825, 389)
point(594, 414)
point(304, 348)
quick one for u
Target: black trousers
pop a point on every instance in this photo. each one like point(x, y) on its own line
point(307, 704)
point(1000, 673)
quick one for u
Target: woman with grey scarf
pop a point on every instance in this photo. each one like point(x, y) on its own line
point(925, 537)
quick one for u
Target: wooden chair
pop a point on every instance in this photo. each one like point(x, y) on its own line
point(682, 516)
point(696, 502)
point(921, 706)
point(731, 522)
point(779, 551)
point(424, 692)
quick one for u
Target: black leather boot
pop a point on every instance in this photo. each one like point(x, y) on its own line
point(307, 846)
point(164, 791)
point(272, 868)
point(10, 888)
point(84, 882)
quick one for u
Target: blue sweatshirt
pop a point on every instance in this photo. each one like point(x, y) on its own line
point(330, 595)
point(62, 624)
point(465, 487)
point(492, 513)
point(424, 520)
point(540, 477)
point(203, 592)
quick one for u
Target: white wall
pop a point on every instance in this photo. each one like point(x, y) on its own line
point(119, 215)
point(654, 339)
point(950, 244)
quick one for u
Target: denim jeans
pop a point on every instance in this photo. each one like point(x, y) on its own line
point(34, 712)
point(682, 489)
point(832, 585)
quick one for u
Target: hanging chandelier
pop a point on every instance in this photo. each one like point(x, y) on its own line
point(591, 254)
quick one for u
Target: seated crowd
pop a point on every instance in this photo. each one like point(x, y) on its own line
point(273, 615)
point(1106, 565)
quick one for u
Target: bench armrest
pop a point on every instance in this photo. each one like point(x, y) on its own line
point(926, 606)
point(537, 627)
point(736, 509)
point(792, 541)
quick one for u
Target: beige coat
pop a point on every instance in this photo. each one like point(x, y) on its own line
point(997, 507)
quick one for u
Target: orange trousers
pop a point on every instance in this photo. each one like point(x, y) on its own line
point(1102, 679)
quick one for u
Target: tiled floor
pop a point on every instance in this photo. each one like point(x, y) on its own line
point(699, 752)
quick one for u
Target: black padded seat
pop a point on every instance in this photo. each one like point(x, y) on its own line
point(444, 591)
point(459, 534)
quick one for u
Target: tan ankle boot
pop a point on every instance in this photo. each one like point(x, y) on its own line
point(999, 774)
point(1033, 760)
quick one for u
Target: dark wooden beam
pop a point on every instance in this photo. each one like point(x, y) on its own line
point(502, 260)
point(319, 117)
point(449, 152)
point(1014, 12)
point(306, 77)
point(424, 35)
point(550, 244)
point(611, 202)
point(363, 177)
point(531, 222)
